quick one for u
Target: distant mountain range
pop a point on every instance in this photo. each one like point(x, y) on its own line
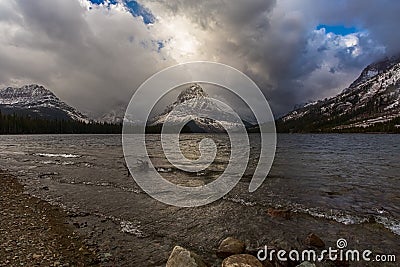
point(114, 116)
point(37, 102)
point(370, 104)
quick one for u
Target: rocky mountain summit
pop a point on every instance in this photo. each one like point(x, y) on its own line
point(37, 102)
point(193, 106)
point(370, 104)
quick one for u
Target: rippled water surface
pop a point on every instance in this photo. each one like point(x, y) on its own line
point(351, 179)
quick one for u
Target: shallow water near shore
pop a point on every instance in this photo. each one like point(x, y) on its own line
point(339, 186)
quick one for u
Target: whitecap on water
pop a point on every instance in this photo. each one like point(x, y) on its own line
point(164, 170)
point(68, 163)
point(391, 224)
point(49, 155)
point(52, 162)
point(46, 162)
point(240, 201)
point(346, 219)
point(131, 228)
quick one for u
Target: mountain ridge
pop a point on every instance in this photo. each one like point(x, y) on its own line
point(194, 100)
point(370, 104)
point(36, 101)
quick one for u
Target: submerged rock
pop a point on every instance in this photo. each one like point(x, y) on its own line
point(181, 257)
point(230, 246)
point(242, 260)
point(277, 213)
point(314, 241)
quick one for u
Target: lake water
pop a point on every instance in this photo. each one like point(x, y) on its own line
point(343, 185)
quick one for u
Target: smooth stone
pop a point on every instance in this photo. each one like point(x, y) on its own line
point(241, 260)
point(230, 246)
point(181, 257)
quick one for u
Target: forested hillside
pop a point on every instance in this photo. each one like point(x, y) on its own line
point(16, 124)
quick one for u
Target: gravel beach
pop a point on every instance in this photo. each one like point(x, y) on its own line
point(35, 233)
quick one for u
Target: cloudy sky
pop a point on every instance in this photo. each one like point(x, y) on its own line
point(94, 53)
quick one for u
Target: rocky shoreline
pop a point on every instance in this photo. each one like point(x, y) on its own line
point(234, 253)
point(35, 233)
point(40, 233)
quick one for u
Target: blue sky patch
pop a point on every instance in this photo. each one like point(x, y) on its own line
point(100, 2)
point(338, 29)
point(136, 9)
point(159, 44)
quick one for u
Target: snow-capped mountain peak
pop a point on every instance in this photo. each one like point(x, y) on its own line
point(194, 91)
point(374, 69)
point(371, 101)
point(26, 93)
point(37, 101)
point(193, 105)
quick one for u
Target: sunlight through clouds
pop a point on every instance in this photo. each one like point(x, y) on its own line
point(81, 48)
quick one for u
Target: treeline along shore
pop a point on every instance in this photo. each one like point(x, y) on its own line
point(18, 124)
point(15, 124)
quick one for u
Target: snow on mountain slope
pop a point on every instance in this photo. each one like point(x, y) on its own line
point(114, 116)
point(36, 101)
point(193, 105)
point(370, 100)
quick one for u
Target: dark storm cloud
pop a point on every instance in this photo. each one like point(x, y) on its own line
point(95, 56)
point(60, 20)
point(93, 60)
point(322, 64)
point(380, 18)
point(278, 44)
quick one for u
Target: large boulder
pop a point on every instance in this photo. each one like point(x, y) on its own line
point(242, 260)
point(230, 246)
point(181, 257)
